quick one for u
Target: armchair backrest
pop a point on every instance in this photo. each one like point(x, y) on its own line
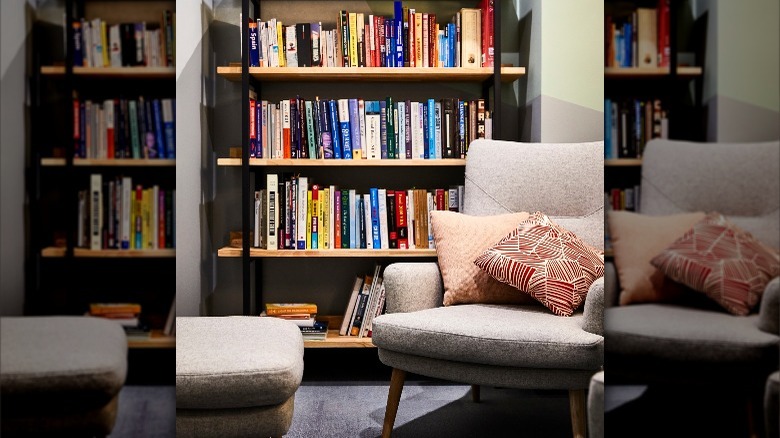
point(739, 180)
point(563, 180)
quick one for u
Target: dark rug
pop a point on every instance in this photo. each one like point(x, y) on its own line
point(146, 411)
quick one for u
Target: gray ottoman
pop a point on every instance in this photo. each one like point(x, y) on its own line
point(60, 375)
point(772, 405)
point(236, 375)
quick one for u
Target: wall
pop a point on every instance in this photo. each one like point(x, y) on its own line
point(741, 86)
point(564, 90)
point(13, 37)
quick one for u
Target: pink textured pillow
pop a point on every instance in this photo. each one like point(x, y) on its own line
point(547, 262)
point(459, 239)
point(721, 260)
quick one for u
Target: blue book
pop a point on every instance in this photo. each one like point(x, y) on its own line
point(431, 128)
point(425, 131)
point(398, 36)
point(398, 10)
point(78, 51)
point(335, 128)
point(325, 137)
point(374, 194)
point(389, 43)
point(158, 128)
point(383, 128)
point(353, 220)
point(168, 126)
point(354, 126)
point(254, 45)
point(607, 128)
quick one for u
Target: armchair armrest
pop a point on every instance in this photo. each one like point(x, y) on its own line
point(769, 312)
point(611, 286)
point(412, 286)
point(593, 314)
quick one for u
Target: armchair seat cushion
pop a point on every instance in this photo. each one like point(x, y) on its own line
point(689, 335)
point(502, 335)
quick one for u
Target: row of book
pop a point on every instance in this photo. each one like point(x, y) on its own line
point(124, 128)
point(116, 214)
point(301, 314)
point(407, 39)
point(630, 123)
point(366, 302)
point(638, 37)
point(99, 44)
point(352, 128)
point(129, 316)
point(291, 213)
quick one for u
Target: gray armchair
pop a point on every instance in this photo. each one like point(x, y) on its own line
point(503, 345)
point(701, 346)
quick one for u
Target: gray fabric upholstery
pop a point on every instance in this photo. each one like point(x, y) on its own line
point(62, 420)
point(512, 336)
point(476, 374)
point(772, 405)
point(593, 312)
point(715, 177)
point(596, 406)
point(412, 286)
point(611, 286)
point(684, 334)
point(769, 312)
point(262, 421)
point(236, 361)
point(565, 181)
point(54, 359)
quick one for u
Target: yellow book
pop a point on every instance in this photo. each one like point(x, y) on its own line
point(308, 219)
point(325, 218)
point(418, 39)
point(320, 221)
point(146, 212)
point(280, 44)
point(353, 52)
point(104, 41)
point(273, 309)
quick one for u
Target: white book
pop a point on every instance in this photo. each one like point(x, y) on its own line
point(127, 193)
point(367, 218)
point(96, 211)
point(410, 216)
point(97, 44)
point(108, 110)
point(364, 291)
point(374, 136)
point(155, 225)
point(356, 288)
point(303, 203)
point(115, 45)
point(86, 45)
point(431, 207)
point(362, 120)
point(353, 232)
point(383, 230)
point(272, 202)
point(373, 299)
point(292, 46)
point(420, 130)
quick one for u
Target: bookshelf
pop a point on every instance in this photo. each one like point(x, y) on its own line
point(63, 275)
point(663, 99)
point(258, 267)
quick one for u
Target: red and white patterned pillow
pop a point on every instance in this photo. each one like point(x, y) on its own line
point(546, 261)
point(721, 260)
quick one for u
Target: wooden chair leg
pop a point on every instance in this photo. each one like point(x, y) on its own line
point(393, 397)
point(475, 393)
point(578, 412)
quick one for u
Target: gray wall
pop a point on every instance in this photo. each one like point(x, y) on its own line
point(13, 37)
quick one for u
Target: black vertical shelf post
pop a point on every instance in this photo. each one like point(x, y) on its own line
point(245, 211)
point(496, 114)
point(258, 263)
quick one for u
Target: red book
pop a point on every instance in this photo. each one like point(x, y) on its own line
point(440, 199)
point(252, 128)
point(76, 127)
point(161, 220)
point(412, 58)
point(488, 46)
point(664, 50)
point(401, 224)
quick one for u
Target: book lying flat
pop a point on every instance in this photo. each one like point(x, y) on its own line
point(318, 332)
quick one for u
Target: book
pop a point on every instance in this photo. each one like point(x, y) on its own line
point(272, 206)
point(471, 31)
point(317, 332)
point(356, 288)
point(345, 130)
point(274, 309)
point(108, 309)
point(96, 212)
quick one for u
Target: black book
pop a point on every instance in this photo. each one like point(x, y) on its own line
point(303, 35)
point(294, 128)
point(282, 209)
point(361, 222)
point(448, 128)
point(303, 143)
point(169, 219)
point(127, 41)
point(345, 218)
point(326, 139)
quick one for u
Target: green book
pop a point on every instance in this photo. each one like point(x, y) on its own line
point(345, 218)
point(135, 141)
point(391, 116)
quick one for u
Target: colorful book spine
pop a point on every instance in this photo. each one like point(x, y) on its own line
point(431, 128)
point(383, 127)
point(354, 126)
point(345, 219)
point(254, 46)
point(391, 127)
point(346, 135)
point(375, 231)
point(326, 140)
point(310, 133)
point(335, 128)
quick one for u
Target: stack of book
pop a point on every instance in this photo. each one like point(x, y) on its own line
point(128, 315)
point(366, 302)
point(301, 314)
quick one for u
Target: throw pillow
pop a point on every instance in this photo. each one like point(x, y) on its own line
point(547, 262)
point(636, 238)
point(723, 261)
point(459, 238)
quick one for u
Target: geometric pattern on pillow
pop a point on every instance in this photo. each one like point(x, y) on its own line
point(547, 262)
point(722, 261)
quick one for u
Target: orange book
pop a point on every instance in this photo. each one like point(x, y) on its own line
point(274, 309)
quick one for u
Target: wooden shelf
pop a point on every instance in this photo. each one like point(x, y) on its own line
point(110, 253)
point(108, 162)
point(371, 253)
point(335, 341)
point(156, 340)
point(373, 74)
point(450, 162)
point(129, 72)
point(647, 72)
point(623, 162)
